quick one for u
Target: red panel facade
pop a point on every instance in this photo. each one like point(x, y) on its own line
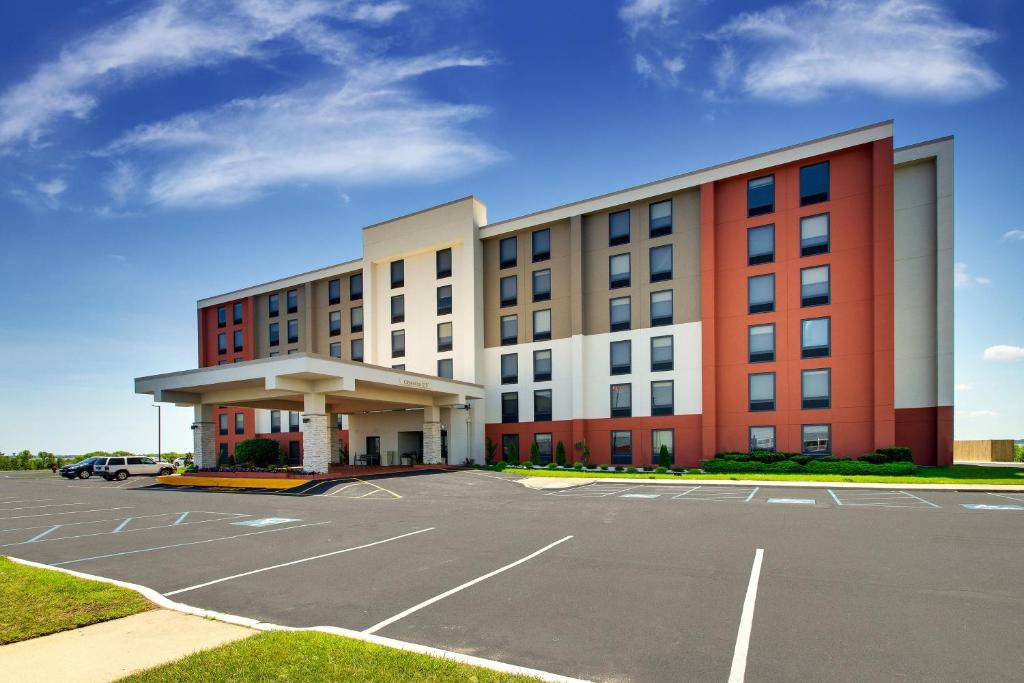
point(210, 330)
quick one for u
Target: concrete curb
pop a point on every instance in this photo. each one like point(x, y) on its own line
point(158, 599)
point(537, 483)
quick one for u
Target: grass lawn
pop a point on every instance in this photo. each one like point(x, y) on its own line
point(955, 474)
point(310, 656)
point(35, 602)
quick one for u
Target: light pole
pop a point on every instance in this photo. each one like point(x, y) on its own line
point(159, 414)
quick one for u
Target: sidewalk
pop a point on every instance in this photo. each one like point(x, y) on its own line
point(113, 649)
point(546, 483)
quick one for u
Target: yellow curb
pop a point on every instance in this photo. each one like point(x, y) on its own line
point(230, 482)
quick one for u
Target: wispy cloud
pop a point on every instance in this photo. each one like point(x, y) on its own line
point(978, 413)
point(900, 48)
point(962, 277)
point(962, 387)
point(52, 189)
point(1013, 236)
point(1004, 353)
point(652, 29)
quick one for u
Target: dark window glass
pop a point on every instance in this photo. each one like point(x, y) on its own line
point(816, 439)
point(292, 299)
point(814, 234)
point(275, 421)
point(543, 442)
point(444, 300)
point(356, 319)
point(761, 293)
point(542, 365)
point(542, 325)
point(222, 343)
point(397, 343)
point(661, 308)
point(293, 331)
point(659, 438)
point(222, 460)
point(293, 421)
point(444, 263)
point(762, 438)
point(294, 452)
point(222, 424)
point(621, 356)
point(444, 336)
point(355, 286)
point(661, 353)
point(398, 308)
point(507, 249)
point(622, 448)
point(445, 368)
point(541, 245)
point(815, 337)
point(397, 274)
point(238, 343)
point(509, 368)
point(542, 405)
point(239, 423)
point(761, 244)
point(662, 400)
point(508, 441)
point(762, 391)
point(333, 292)
point(334, 323)
point(760, 195)
point(814, 183)
point(273, 305)
point(357, 350)
point(340, 424)
point(618, 271)
point(761, 343)
point(618, 228)
point(814, 286)
point(541, 285)
point(222, 316)
point(509, 329)
point(510, 407)
point(619, 314)
point(509, 290)
point(236, 313)
point(275, 334)
point(336, 349)
point(621, 400)
point(816, 389)
point(660, 214)
point(661, 263)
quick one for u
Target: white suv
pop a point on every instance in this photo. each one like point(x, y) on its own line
point(121, 468)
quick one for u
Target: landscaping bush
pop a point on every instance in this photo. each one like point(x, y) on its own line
point(631, 470)
point(560, 454)
point(664, 459)
point(678, 469)
point(490, 447)
point(258, 452)
point(578, 466)
point(535, 453)
point(500, 465)
point(661, 470)
point(897, 453)
point(513, 454)
point(875, 458)
point(840, 466)
point(551, 465)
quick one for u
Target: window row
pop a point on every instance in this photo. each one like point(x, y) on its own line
point(620, 401)
point(620, 311)
point(620, 269)
point(442, 268)
point(659, 222)
point(815, 390)
point(237, 342)
point(815, 340)
point(275, 421)
point(815, 439)
point(508, 287)
point(814, 239)
point(444, 340)
point(509, 327)
point(274, 332)
point(236, 315)
point(222, 423)
point(355, 349)
point(540, 246)
point(815, 289)
point(621, 446)
point(814, 188)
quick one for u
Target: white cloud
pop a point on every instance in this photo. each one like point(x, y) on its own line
point(1004, 353)
point(645, 15)
point(901, 48)
point(962, 387)
point(169, 36)
point(979, 413)
point(963, 278)
point(651, 26)
point(121, 182)
point(1014, 236)
point(52, 188)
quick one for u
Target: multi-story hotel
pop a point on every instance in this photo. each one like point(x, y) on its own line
point(800, 299)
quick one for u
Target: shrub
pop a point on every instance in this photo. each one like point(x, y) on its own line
point(578, 466)
point(490, 448)
point(678, 469)
point(551, 465)
point(618, 468)
point(630, 470)
point(190, 468)
point(513, 454)
point(875, 458)
point(560, 453)
point(603, 467)
point(661, 470)
point(535, 453)
point(527, 465)
point(500, 465)
point(258, 452)
point(897, 453)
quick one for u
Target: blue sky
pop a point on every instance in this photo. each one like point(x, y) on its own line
point(153, 153)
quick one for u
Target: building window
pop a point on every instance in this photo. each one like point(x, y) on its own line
point(293, 421)
point(660, 215)
point(622, 447)
point(621, 400)
point(541, 285)
point(762, 391)
point(814, 183)
point(619, 314)
point(355, 286)
point(815, 337)
point(357, 350)
point(334, 292)
point(334, 323)
point(294, 452)
point(398, 366)
point(509, 290)
point(223, 454)
point(761, 293)
point(661, 308)
point(542, 325)
point(621, 357)
point(510, 406)
point(761, 343)
point(292, 300)
point(293, 331)
point(760, 196)
point(814, 286)
point(542, 365)
point(397, 274)
point(444, 336)
point(397, 343)
point(339, 421)
point(509, 368)
point(618, 228)
point(659, 438)
point(273, 305)
point(542, 405)
point(816, 389)
point(222, 343)
point(222, 424)
point(238, 342)
point(445, 368)
point(541, 245)
point(816, 439)
point(814, 235)
point(275, 334)
point(335, 349)
point(661, 263)
point(507, 249)
point(543, 441)
point(509, 329)
point(444, 263)
point(355, 319)
point(275, 421)
point(222, 316)
point(239, 423)
point(236, 314)
point(444, 300)
point(618, 271)
point(761, 244)
point(661, 353)
point(762, 438)
point(662, 397)
point(508, 443)
point(398, 308)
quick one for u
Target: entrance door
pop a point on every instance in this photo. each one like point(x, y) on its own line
point(373, 450)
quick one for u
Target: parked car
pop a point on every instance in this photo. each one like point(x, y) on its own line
point(133, 465)
point(82, 470)
point(181, 462)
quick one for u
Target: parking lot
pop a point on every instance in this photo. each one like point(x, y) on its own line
point(608, 582)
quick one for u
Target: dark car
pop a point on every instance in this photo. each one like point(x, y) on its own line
point(82, 470)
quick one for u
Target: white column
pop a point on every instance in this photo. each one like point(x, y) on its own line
point(431, 435)
point(316, 437)
point(204, 447)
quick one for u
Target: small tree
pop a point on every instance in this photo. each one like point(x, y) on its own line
point(584, 452)
point(560, 454)
point(490, 447)
point(535, 453)
point(513, 454)
point(664, 459)
point(257, 452)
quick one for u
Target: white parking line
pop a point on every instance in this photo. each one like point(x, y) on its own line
point(72, 512)
point(227, 516)
point(118, 519)
point(920, 499)
point(178, 545)
point(180, 519)
point(33, 500)
point(122, 525)
point(739, 655)
point(889, 499)
point(40, 507)
point(1019, 497)
point(294, 562)
point(43, 534)
point(437, 598)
